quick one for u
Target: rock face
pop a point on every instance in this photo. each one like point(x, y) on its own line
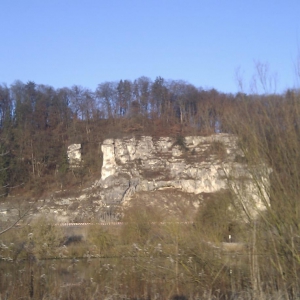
point(192, 164)
point(74, 155)
point(174, 174)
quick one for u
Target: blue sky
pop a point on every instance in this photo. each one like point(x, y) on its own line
point(87, 42)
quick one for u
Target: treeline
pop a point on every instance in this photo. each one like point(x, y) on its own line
point(38, 122)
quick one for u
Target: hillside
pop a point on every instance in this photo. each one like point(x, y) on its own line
point(153, 154)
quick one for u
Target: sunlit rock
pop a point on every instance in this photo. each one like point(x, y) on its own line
point(74, 155)
point(192, 164)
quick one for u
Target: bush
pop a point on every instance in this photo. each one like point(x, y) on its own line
point(218, 149)
point(180, 142)
point(217, 218)
point(99, 238)
point(139, 224)
point(43, 236)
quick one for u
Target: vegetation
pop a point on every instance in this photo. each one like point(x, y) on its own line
point(38, 123)
point(225, 254)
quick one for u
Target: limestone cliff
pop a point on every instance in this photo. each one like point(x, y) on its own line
point(74, 155)
point(175, 174)
point(192, 164)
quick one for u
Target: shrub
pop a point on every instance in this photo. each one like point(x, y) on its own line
point(43, 236)
point(100, 238)
point(218, 149)
point(180, 141)
point(216, 218)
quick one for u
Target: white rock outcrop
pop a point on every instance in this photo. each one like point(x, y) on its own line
point(74, 155)
point(193, 164)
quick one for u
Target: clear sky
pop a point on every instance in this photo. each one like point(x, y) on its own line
point(87, 42)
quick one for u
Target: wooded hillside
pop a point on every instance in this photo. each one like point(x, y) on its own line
point(38, 122)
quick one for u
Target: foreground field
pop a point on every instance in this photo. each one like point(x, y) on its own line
point(136, 260)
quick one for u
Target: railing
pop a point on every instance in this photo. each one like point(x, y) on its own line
point(115, 223)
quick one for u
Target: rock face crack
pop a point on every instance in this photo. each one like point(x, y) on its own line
point(133, 165)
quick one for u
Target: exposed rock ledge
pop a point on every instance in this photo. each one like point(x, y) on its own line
point(192, 164)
